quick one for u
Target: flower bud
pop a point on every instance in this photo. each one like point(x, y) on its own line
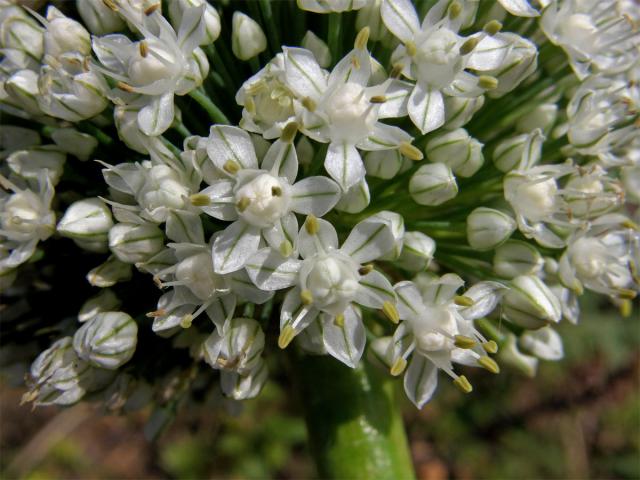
point(87, 219)
point(529, 303)
point(13, 139)
point(22, 88)
point(519, 152)
point(355, 199)
point(99, 18)
point(487, 228)
point(125, 118)
point(417, 251)
point(133, 243)
point(369, 16)
point(30, 164)
point(108, 340)
point(247, 38)
point(514, 258)
point(244, 386)
point(105, 301)
point(65, 35)
point(544, 343)
point(395, 223)
point(211, 17)
point(109, 273)
point(238, 348)
point(509, 354)
point(80, 145)
point(459, 110)
point(631, 181)
point(383, 163)
point(162, 191)
point(20, 31)
point(520, 62)
point(542, 117)
point(319, 49)
point(458, 150)
point(433, 184)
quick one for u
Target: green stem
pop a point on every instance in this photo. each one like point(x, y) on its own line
point(354, 423)
point(272, 28)
point(335, 32)
point(212, 109)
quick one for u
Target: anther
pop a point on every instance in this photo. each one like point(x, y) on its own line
point(286, 249)
point(185, 322)
point(487, 82)
point(124, 86)
point(339, 320)
point(250, 105)
point(144, 48)
point(468, 46)
point(489, 364)
point(306, 297)
point(231, 166)
point(311, 225)
point(411, 48)
point(490, 347)
point(492, 27)
point(455, 9)
point(463, 301)
point(365, 269)
point(390, 311)
point(242, 204)
point(152, 9)
point(200, 200)
point(309, 104)
point(286, 335)
point(378, 99)
point(396, 70)
point(276, 191)
point(398, 366)
point(463, 384)
point(410, 151)
point(111, 5)
point(289, 132)
point(462, 341)
point(626, 308)
point(362, 38)
point(156, 313)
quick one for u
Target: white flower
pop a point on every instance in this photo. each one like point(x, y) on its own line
point(433, 184)
point(521, 8)
point(605, 258)
point(438, 330)
point(320, 50)
point(417, 251)
point(98, 17)
point(105, 301)
point(260, 202)
point(340, 109)
point(64, 35)
point(161, 64)
point(109, 273)
point(458, 150)
point(487, 228)
point(544, 343)
point(210, 15)
point(87, 219)
point(327, 282)
point(530, 303)
point(133, 243)
point(519, 152)
point(78, 144)
point(19, 32)
point(247, 38)
point(32, 163)
point(436, 57)
point(514, 258)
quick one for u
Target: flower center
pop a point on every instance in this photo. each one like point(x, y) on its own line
point(196, 273)
point(438, 58)
point(162, 188)
point(21, 213)
point(156, 64)
point(579, 31)
point(351, 115)
point(263, 200)
point(333, 281)
point(426, 329)
point(536, 199)
point(589, 257)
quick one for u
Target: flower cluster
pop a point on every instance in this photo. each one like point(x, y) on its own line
point(437, 188)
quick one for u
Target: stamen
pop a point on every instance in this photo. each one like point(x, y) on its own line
point(390, 311)
point(462, 341)
point(492, 27)
point(111, 5)
point(306, 297)
point(463, 301)
point(490, 347)
point(276, 191)
point(185, 322)
point(286, 336)
point(289, 132)
point(151, 9)
point(463, 384)
point(489, 364)
point(161, 312)
point(398, 366)
point(125, 86)
point(200, 200)
point(286, 249)
point(411, 48)
point(487, 82)
point(410, 151)
point(231, 166)
point(468, 46)
point(311, 225)
point(144, 48)
point(455, 9)
point(365, 269)
point(339, 320)
point(309, 104)
point(396, 70)
point(378, 99)
point(242, 204)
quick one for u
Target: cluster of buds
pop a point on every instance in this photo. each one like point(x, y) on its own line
point(439, 192)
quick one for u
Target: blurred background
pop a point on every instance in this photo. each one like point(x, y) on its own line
point(579, 418)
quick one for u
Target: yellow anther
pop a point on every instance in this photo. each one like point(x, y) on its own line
point(242, 204)
point(152, 9)
point(463, 384)
point(362, 38)
point(289, 132)
point(311, 225)
point(378, 99)
point(286, 249)
point(630, 224)
point(144, 48)
point(455, 9)
point(469, 45)
point(110, 5)
point(185, 322)
point(286, 335)
point(492, 27)
point(390, 311)
point(626, 308)
point(256, 87)
point(276, 191)
point(626, 294)
point(463, 301)
point(398, 366)
point(309, 104)
point(124, 86)
point(489, 363)
point(339, 320)
point(462, 341)
point(411, 48)
point(490, 346)
point(396, 70)
point(231, 166)
point(410, 151)
point(365, 269)
point(487, 82)
point(306, 297)
point(200, 200)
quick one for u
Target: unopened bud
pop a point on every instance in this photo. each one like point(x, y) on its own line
point(487, 228)
point(458, 150)
point(433, 184)
point(318, 47)
point(247, 38)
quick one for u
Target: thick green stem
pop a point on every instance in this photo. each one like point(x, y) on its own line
point(353, 419)
point(212, 109)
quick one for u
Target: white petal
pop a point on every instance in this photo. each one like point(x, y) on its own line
point(489, 54)
point(271, 271)
point(369, 240)
point(184, 227)
point(397, 95)
point(282, 160)
point(355, 67)
point(219, 207)
point(242, 286)
point(192, 28)
point(234, 246)
point(345, 341)
point(284, 229)
point(420, 381)
point(384, 137)
point(485, 296)
point(519, 8)
point(355, 199)
point(426, 108)
point(156, 117)
point(324, 240)
point(230, 143)
point(409, 300)
point(292, 309)
point(544, 343)
point(374, 290)
point(303, 74)
point(314, 195)
point(401, 18)
point(221, 310)
point(344, 165)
